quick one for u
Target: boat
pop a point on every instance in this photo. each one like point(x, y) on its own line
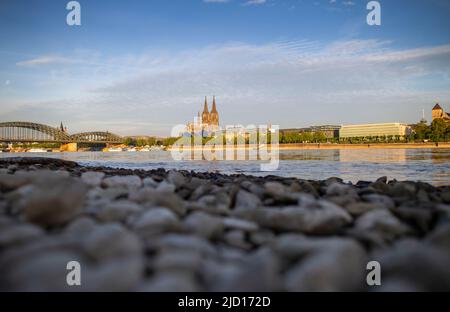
point(37, 150)
point(116, 149)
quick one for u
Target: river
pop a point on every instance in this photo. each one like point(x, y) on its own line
point(427, 165)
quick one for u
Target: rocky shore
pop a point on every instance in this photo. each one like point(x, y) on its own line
point(135, 230)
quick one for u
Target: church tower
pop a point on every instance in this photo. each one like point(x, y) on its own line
point(205, 114)
point(214, 116)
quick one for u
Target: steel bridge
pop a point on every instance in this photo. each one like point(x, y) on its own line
point(19, 131)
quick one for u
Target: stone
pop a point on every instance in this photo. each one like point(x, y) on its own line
point(240, 224)
point(166, 187)
point(381, 200)
point(54, 202)
point(340, 266)
point(19, 233)
point(236, 238)
point(130, 181)
point(43, 271)
point(416, 265)
point(186, 242)
point(178, 260)
point(154, 221)
point(247, 200)
point(384, 223)
point(176, 178)
point(259, 272)
point(114, 275)
point(149, 182)
point(111, 241)
point(360, 208)
point(204, 224)
point(92, 178)
point(117, 211)
point(321, 218)
point(151, 197)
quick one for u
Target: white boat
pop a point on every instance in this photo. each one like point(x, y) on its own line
point(116, 149)
point(37, 150)
point(145, 149)
point(133, 149)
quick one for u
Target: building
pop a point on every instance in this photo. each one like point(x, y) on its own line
point(330, 131)
point(394, 129)
point(207, 122)
point(439, 113)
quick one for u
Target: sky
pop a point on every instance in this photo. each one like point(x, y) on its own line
point(141, 67)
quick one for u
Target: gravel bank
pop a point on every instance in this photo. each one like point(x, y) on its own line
point(134, 230)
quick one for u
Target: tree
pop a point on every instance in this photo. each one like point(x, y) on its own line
point(129, 142)
point(438, 130)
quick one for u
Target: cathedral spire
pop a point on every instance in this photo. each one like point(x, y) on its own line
point(205, 107)
point(214, 109)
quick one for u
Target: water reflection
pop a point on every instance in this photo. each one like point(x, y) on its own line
point(428, 165)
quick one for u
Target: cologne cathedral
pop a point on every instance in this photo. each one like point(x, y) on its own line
point(207, 122)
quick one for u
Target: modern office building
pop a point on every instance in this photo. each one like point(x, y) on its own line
point(394, 129)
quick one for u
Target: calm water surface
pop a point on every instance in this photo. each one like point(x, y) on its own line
point(428, 165)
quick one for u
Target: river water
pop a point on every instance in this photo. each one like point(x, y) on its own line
point(427, 165)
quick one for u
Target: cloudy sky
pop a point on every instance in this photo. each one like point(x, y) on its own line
point(140, 67)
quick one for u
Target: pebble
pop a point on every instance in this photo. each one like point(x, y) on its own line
point(136, 230)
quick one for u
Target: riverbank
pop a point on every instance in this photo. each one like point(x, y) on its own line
point(163, 230)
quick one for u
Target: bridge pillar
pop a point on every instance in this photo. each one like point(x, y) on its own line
point(69, 147)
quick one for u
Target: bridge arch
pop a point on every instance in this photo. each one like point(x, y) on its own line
point(21, 131)
point(96, 137)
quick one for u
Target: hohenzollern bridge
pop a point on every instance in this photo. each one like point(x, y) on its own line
point(20, 131)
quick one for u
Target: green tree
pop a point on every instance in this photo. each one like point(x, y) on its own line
point(438, 130)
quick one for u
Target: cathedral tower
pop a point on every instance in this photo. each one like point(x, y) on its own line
point(214, 115)
point(205, 114)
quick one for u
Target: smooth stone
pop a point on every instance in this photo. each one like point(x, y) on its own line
point(176, 178)
point(178, 260)
point(152, 197)
point(204, 224)
point(341, 266)
point(111, 241)
point(122, 274)
point(166, 187)
point(189, 242)
point(54, 202)
point(130, 181)
point(150, 182)
point(360, 208)
point(240, 224)
point(382, 200)
point(382, 222)
point(19, 233)
point(246, 199)
point(92, 178)
point(154, 221)
point(117, 211)
point(42, 271)
point(259, 272)
point(416, 263)
point(321, 218)
point(236, 238)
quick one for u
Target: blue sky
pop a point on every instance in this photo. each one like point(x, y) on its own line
point(143, 66)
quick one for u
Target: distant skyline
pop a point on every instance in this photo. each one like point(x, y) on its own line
point(140, 67)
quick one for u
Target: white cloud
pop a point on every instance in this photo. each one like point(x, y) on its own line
point(254, 2)
point(46, 60)
point(294, 83)
point(348, 3)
